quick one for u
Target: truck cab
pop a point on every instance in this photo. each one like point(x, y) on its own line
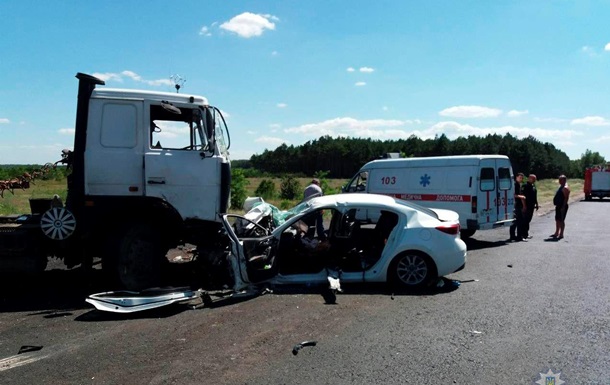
point(150, 171)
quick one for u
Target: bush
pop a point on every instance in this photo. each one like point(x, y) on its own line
point(290, 188)
point(238, 189)
point(266, 189)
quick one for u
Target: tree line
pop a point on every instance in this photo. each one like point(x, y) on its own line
point(343, 157)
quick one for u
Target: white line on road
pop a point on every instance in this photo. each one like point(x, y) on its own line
point(19, 360)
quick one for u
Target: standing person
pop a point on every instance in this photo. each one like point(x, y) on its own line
point(312, 191)
point(531, 199)
point(520, 207)
point(561, 206)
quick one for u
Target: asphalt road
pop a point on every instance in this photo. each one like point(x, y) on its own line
point(532, 307)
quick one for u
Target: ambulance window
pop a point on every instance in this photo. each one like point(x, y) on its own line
point(505, 181)
point(358, 184)
point(487, 179)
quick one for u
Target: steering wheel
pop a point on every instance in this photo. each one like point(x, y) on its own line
point(257, 231)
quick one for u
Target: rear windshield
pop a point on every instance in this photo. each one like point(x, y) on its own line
point(417, 207)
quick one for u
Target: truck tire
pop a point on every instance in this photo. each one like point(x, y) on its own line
point(142, 257)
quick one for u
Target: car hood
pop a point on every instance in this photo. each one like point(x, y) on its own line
point(446, 215)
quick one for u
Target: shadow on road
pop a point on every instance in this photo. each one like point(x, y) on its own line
point(61, 293)
point(475, 244)
point(596, 200)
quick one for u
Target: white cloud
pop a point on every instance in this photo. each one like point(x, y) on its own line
point(118, 77)
point(607, 47)
point(66, 131)
point(360, 84)
point(4, 121)
point(384, 108)
point(347, 127)
point(470, 112)
point(350, 69)
point(274, 53)
point(384, 129)
point(225, 114)
point(591, 51)
point(272, 141)
point(282, 105)
point(454, 129)
point(596, 121)
point(107, 76)
point(250, 132)
point(367, 69)
point(550, 120)
point(205, 31)
point(516, 113)
point(275, 125)
point(249, 24)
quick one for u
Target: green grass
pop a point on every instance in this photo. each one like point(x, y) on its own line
point(18, 203)
point(547, 188)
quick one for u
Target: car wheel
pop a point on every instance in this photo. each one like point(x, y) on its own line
point(411, 269)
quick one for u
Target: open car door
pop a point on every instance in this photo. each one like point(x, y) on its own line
point(253, 250)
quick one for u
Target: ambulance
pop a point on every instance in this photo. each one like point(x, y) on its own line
point(480, 188)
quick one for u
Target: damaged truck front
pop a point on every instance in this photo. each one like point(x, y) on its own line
point(148, 171)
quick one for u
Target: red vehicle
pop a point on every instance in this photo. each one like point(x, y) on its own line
point(597, 182)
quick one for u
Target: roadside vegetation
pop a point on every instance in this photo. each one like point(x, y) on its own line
point(18, 203)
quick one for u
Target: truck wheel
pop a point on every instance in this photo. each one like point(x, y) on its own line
point(466, 233)
point(141, 258)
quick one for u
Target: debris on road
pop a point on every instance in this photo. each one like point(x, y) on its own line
point(300, 346)
point(132, 301)
point(29, 348)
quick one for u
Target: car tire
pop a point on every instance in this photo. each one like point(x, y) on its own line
point(411, 269)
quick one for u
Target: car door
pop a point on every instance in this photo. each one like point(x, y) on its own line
point(253, 250)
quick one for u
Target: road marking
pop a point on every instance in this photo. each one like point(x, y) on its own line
point(19, 360)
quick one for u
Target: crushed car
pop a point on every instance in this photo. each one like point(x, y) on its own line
point(369, 238)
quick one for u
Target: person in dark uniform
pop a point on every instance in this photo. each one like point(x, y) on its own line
point(561, 207)
point(520, 207)
point(531, 199)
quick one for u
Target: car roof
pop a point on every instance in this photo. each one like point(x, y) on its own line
point(339, 200)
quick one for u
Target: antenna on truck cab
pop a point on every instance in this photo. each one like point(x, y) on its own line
point(178, 81)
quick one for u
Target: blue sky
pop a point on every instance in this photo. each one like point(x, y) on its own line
point(291, 71)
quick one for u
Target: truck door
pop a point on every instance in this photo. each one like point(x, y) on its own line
point(495, 195)
point(181, 164)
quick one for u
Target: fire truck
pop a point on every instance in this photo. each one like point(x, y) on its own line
point(597, 182)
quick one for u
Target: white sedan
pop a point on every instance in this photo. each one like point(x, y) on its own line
point(368, 238)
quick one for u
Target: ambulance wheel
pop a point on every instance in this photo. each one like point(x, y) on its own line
point(465, 234)
point(588, 197)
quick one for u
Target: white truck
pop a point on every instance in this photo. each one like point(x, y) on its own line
point(149, 171)
point(479, 188)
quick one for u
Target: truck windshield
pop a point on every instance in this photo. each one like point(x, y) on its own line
point(183, 130)
point(222, 132)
